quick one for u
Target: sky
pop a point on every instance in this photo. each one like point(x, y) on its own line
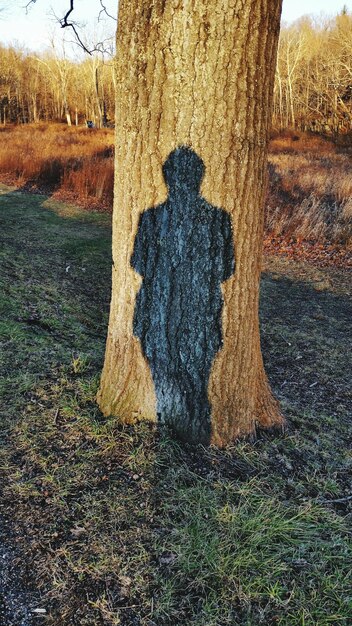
point(32, 29)
point(293, 9)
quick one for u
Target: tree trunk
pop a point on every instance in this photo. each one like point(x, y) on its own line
point(67, 114)
point(99, 124)
point(194, 97)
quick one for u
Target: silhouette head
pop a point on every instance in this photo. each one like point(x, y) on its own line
point(183, 171)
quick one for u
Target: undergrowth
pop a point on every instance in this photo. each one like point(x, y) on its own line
point(310, 190)
point(74, 163)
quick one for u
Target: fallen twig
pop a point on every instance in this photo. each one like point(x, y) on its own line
point(337, 500)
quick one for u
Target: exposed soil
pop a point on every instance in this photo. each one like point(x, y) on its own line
point(19, 604)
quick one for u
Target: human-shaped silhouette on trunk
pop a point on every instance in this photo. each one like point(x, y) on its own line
point(184, 251)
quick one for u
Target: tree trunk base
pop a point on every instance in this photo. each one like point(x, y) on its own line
point(267, 417)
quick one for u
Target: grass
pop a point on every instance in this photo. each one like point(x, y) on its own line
point(120, 525)
point(309, 196)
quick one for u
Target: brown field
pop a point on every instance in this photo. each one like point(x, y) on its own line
point(73, 163)
point(309, 199)
point(310, 191)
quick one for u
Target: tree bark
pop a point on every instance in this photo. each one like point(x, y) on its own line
point(197, 76)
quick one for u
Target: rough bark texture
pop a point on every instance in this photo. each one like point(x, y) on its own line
point(194, 78)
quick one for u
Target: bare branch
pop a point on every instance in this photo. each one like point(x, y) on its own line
point(104, 10)
point(78, 39)
point(65, 22)
point(29, 4)
point(337, 500)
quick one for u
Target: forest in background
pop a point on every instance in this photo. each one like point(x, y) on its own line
point(47, 100)
point(313, 87)
point(53, 88)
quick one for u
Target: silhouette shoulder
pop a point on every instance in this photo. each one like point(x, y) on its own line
point(149, 222)
point(221, 226)
point(216, 214)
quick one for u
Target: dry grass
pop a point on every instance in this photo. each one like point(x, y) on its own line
point(75, 163)
point(310, 191)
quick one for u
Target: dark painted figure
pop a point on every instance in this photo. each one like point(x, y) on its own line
point(184, 251)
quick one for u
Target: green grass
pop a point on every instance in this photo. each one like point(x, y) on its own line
point(121, 525)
